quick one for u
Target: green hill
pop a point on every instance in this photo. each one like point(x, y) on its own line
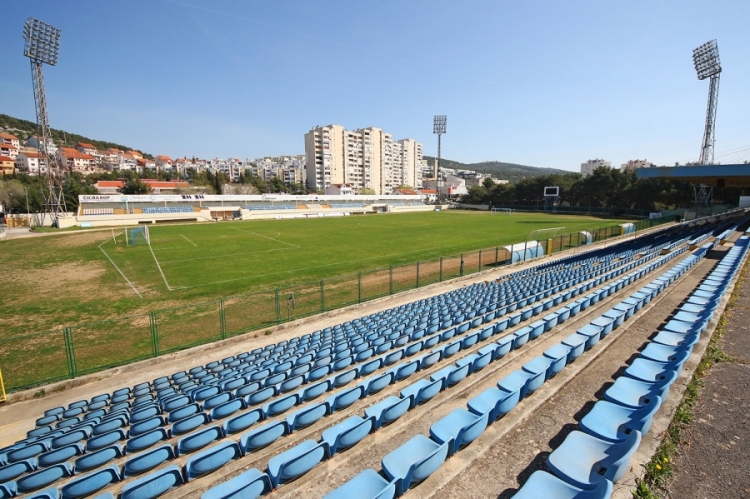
point(24, 129)
point(499, 169)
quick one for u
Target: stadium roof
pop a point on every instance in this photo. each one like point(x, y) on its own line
point(715, 175)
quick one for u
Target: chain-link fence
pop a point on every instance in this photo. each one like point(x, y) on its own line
point(39, 358)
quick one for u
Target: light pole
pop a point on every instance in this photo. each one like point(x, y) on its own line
point(438, 128)
point(28, 219)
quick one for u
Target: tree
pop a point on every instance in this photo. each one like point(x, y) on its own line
point(135, 186)
point(366, 191)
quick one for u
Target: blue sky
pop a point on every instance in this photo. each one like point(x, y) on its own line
point(544, 83)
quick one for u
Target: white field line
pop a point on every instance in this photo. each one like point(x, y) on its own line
point(291, 271)
point(120, 271)
point(261, 235)
point(169, 288)
point(188, 240)
point(215, 257)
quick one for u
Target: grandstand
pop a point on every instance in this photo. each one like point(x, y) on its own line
point(449, 374)
point(108, 210)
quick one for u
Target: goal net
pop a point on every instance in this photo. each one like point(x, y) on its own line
point(507, 211)
point(138, 236)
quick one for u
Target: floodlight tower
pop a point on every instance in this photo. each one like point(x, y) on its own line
point(42, 47)
point(707, 65)
point(438, 127)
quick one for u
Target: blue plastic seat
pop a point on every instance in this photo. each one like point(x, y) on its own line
point(303, 418)
point(521, 381)
point(227, 409)
point(199, 439)
point(542, 484)
point(577, 344)
point(242, 421)
point(377, 383)
point(146, 440)
point(651, 371)
point(146, 461)
point(584, 460)
point(211, 459)
point(606, 323)
point(347, 433)
point(249, 485)
point(183, 412)
point(664, 353)
point(105, 440)
point(85, 485)
point(635, 394)
point(539, 365)
point(13, 470)
point(315, 390)
point(263, 435)
point(344, 378)
point(494, 403)
point(413, 462)
point(153, 485)
point(99, 458)
point(345, 398)
point(388, 410)
point(43, 478)
point(615, 423)
point(676, 339)
point(558, 354)
point(366, 485)
point(296, 461)
point(26, 452)
point(504, 345)
point(450, 375)
point(281, 405)
point(458, 429)
point(592, 332)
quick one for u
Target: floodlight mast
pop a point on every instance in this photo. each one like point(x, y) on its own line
point(708, 65)
point(42, 46)
point(438, 128)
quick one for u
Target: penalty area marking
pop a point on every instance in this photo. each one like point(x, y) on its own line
point(261, 235)
point(188, 240)
point(120, 271)
point(169, 288)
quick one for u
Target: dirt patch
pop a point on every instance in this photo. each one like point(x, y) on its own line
point(715, 458)
point(42, 282)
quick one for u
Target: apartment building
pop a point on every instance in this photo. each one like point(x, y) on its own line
point(30, 162)
point(634, 164)
point(7, 138)
point(74, 160)
point(589, 166)
point(7, 166)
point(367, 158)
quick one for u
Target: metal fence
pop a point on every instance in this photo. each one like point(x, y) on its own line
point(34, 359)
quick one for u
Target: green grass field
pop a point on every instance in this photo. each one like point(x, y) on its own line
point(207, 261)
point(82, 296)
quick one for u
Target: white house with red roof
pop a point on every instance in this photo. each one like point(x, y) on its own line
point(31, 162)
point(163, 162)
point(86, 148)
point(75, 160)
point(7, 138)
point(9, 150)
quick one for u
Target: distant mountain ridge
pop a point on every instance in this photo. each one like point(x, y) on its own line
point(499, 169)
point(24, 129)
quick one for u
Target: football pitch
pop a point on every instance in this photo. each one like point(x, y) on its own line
point(60, 281)
point(227, 258)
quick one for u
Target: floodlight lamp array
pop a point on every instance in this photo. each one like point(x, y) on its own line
point(439, 124)
point(706, 60)
point(42, 41)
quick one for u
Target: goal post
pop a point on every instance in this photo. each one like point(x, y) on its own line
point(507, 211)
point(138, 236)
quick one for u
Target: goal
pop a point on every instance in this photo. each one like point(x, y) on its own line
point(507, 211)
point(138, 236)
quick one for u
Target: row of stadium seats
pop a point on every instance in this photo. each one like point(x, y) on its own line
point(597, 455)
point(417, 459)
point(167, 209)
